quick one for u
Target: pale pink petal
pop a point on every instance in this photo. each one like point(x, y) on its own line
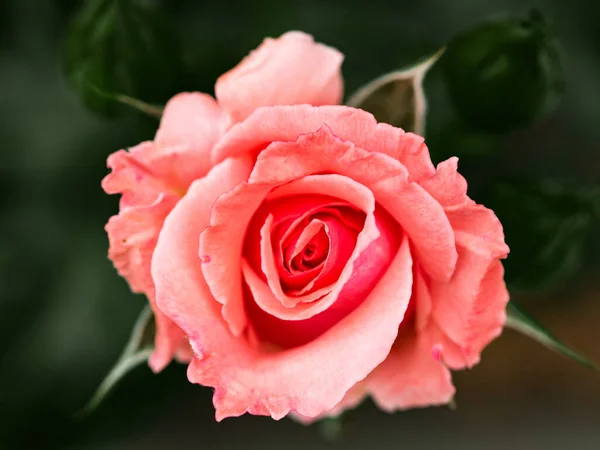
point(351, 400)
point(190, 119)
point(475, 226)
point(190, 125)
point(151, 178)
point(286, 123)
point(221, 247)
point(470, 308)
point(169, 341)
point(247, 379)
point(184, 353)
point(412, 376)
point(135, 180)
point(478, 229)
point(447, 186)
point(292, 69)
point(132, 236)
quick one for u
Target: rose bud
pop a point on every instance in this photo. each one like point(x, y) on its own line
point(504, 74)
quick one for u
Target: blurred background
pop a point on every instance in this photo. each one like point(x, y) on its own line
point(65, 315)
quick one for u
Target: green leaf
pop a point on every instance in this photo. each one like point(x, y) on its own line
point(122, 46)
point(397, 98)
point(137, 351)
point(547, 226)
point(520, 321)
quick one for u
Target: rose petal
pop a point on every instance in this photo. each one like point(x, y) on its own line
point(190, 119)
point(132, 236)
point(304, 295)
point(288, 214)
point(151, 178)
point(411, 376)
point(272, 296)
point(420, 216)
point(478, 229)
point(290, 70)
point(447, 186)
point(470, 308)
point(191, 123)
point(421, 299)
point(475, 226)
point(308, 235)
point(247, 379)
point(339, 244)
point(286, 123)
point(351, 400)
point(368, 270)
point(130, 176)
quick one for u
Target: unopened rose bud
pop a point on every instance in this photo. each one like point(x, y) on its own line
point(505, 74)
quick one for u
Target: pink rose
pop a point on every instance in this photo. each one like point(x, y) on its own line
point(310, 255)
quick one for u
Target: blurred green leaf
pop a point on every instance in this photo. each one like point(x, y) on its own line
point(520, 321)
point(136, 352)
point(546, 227)
point(505, 74)
point(123, 47)
point(397, 98)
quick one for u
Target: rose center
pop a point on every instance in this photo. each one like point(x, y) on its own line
point(313, 254)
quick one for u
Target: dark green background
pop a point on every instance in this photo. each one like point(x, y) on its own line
point(65, 314)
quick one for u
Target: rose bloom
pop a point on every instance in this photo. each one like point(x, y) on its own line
point(298, 254)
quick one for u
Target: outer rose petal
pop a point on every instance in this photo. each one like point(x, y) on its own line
point(447, 186)
point(412, 375)
point(471, 308)
point(354, 397)
point(475, 227)
point(138, 183)
point(190, 125)
point(290, 70)
point(478, 229)
point(286, 123)
point(151, 178)
point(132, 236)
point(245, 378)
